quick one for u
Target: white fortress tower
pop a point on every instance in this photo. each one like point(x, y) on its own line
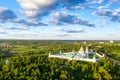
point(87, 52)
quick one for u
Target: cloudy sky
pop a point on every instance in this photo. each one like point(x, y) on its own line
point(60, 19)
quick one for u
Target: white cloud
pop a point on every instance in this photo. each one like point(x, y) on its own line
point(7, 14)
point(14, 27)
point(112, 2)
point(36, 8)
point(102, 7)
point(3, 32)
point(103, 12)
point(35, 4)
point(79, 30)
point(62, 18)
point(103, 24)
point(112, 15)
point(100, 1)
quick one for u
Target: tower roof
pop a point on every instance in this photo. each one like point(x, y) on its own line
point(81, 50)
point(86, 49)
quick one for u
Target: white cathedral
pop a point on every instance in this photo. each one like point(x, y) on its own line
point(82, 55)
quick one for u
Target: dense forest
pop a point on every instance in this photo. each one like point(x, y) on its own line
point(28, 60)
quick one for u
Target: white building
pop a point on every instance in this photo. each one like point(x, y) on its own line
point(7, 61)
point(82, 55)
point(111, 41)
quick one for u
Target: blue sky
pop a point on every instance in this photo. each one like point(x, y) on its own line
point(60, 19)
